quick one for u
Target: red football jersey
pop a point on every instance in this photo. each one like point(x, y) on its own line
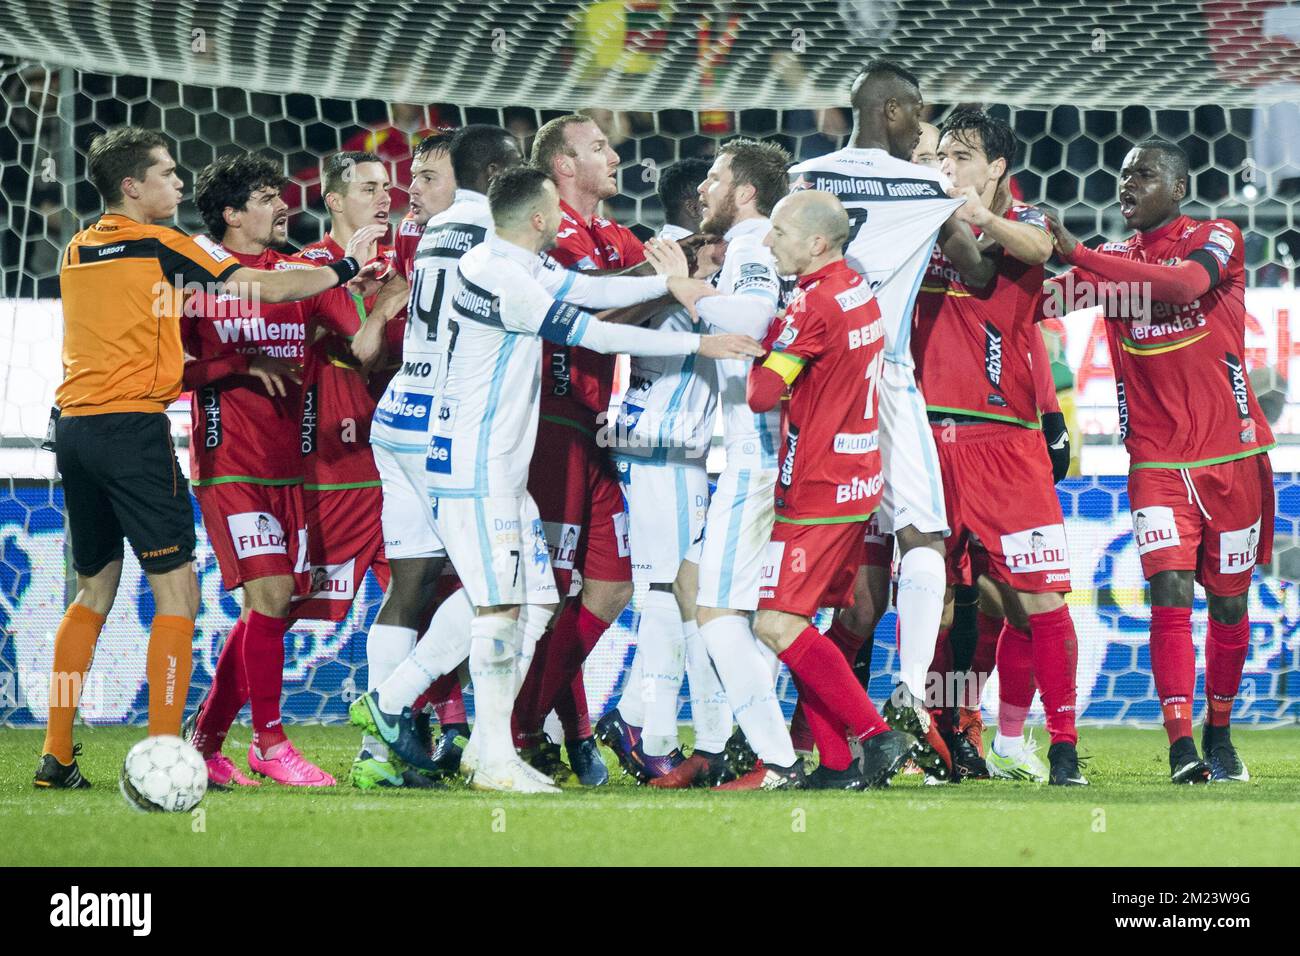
point(337, 402)
point(408, 238)
point(577, 382)
point(239, 432)
point(971, 346)
point(1180, 373)
point(830, 467)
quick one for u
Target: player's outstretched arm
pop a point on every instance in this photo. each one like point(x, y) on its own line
point(291, 285)
point(1179, 284)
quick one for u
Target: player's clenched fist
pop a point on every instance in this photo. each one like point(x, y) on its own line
point(729, 347)
point(1064, 240)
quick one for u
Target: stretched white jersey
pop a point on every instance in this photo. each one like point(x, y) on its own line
point(895, 211)
point(749, 279)
point(671, 401)
point(402, 418)
point(507, 300)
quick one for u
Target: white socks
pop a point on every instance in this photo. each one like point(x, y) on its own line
point(662, 651)
point(386, 647)
point(444, 645)
point(631, 703)
point(921, 584)
point(494, 642)
point(533, 620)
point(710, 712)
point(747, 676)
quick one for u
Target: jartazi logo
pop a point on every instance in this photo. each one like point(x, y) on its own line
point(74, 908)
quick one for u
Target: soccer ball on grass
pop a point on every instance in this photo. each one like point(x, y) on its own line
point(163, 773)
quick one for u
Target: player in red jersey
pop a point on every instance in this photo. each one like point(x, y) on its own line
point(573, 480)
point(247, 468)
point(827, 348)
point(416, 582)
point(1200, 484)
point(972, 344)
point(342, 487)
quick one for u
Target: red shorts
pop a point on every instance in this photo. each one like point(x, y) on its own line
point(257, 531)
point(813, 566)
point(344, 539)
point(1216, 520)
point(580, 502)
point(879, 551)
point(1002, 507)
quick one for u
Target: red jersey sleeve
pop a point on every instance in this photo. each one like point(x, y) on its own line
point(1041, 366)
point(1220, 248)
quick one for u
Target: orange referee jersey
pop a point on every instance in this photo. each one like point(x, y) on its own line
point(122, 283)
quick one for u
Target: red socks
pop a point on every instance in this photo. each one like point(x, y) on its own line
point(850, 646)
point(1015, 660)
point(987, 630)
point(1173, 665)
point(1226, 647)
point(1056, 653)
point(557, 660)
point(834, 701)
point(264, 665)
point(571, 707)
point(821, 727)
point(227, 696)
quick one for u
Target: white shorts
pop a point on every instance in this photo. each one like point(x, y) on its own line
point(498, 549)
point(913, 484)
point(407, 516)
point(737, 533)
point(666, 505)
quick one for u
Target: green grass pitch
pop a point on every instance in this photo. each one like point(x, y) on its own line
point(1131, 815)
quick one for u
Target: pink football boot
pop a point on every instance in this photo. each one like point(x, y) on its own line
point(222, 772)
point(284, 764)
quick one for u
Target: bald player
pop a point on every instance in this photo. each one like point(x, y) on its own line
point(895, 209)
point(826, 349)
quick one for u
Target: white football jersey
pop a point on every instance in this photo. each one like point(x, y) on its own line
point(749, 273)
point(895, 211)
point(403, 415)
point(507, 300)
point(670, 402)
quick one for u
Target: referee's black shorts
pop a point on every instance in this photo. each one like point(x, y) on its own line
point(121, 479)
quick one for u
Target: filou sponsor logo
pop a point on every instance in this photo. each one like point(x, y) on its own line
point(256, 532)
point(1238, 550)
point(1036, 549)
point(1154, 528)
point(77, 909)
point(859, 488)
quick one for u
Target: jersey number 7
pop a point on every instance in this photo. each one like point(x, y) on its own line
point(857, 219)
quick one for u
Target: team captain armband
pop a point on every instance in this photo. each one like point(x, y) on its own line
point(787, 366)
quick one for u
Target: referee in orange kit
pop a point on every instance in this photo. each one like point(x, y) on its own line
point(123, 283)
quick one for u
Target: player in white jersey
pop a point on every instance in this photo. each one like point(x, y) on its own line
point(486, 422)
point(723, 570)
point(896, 209)
point(660, 443)
point(452, 221)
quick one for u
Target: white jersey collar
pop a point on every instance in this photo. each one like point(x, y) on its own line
point(758, 226)
point(669, 231)
point(502, 247)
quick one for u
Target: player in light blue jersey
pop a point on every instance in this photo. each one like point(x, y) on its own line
point(508, 299)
